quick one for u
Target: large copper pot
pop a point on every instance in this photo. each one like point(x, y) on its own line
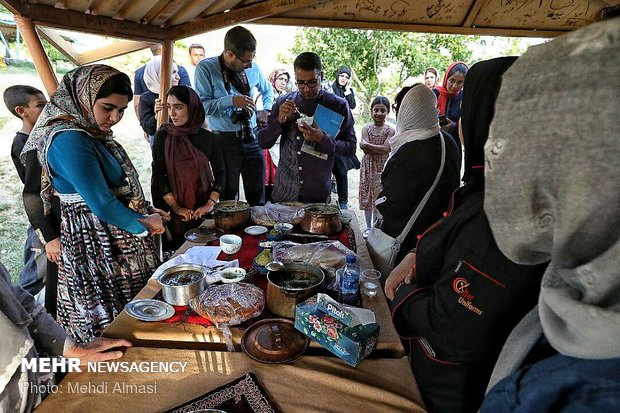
point(291, 285)
point(321, 219)
point(231, 214)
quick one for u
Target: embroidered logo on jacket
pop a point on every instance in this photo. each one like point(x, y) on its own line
point(461, 286)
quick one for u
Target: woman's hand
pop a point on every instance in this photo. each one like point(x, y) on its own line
point(204, 210)
point(449, 126)
point(165, 215)
point(402, 274)
point(159, 106)
point(186, 214)
point(52, 250)
point(153, 223)
point(97, 350)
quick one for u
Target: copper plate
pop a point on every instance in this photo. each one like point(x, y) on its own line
point(274, 341)
point(203, 234)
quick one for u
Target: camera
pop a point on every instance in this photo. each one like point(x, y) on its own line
point(243, 116)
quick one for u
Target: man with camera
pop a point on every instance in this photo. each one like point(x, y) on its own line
point(225, 84)
point(307, 153)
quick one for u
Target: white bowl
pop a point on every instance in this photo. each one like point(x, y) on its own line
point(307, 119)
point(230, 243)
point(283, 227)
point(232, 275)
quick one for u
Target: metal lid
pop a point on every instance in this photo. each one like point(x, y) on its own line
point(149, 310)
point(203, 234)
point(274, 341)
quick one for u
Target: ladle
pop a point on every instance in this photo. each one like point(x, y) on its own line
point(274, 266)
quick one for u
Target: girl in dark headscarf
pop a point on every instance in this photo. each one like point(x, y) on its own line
point(184, 154)
point(107, 254)
point(456, 297)
point(449, 96)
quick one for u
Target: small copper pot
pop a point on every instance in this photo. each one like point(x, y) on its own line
point(321, 219)
point(231, 214)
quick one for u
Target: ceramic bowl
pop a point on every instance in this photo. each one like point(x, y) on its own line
point(232, 275)
point(230, 243)
point(307, 119)
point(283, 227)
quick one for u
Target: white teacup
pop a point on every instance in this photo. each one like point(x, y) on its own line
point(230, 243)
point(232, 275)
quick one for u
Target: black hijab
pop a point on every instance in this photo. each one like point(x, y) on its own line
point(339, 90)
point(478, 108)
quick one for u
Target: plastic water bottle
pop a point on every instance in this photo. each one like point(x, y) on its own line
point(350, 277)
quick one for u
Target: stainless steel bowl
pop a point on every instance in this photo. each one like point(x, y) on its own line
point(181, 283)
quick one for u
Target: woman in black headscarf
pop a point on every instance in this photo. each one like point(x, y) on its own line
point(342, 86)
point(457, 297)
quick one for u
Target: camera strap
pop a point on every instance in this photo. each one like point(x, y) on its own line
point(238, 79)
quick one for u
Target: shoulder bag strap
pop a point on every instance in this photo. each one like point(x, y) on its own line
point(424, 200)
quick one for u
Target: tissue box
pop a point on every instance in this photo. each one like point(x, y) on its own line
point(351, 333)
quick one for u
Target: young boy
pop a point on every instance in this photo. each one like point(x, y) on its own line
point(42, 246)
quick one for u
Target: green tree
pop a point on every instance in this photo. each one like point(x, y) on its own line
point(382, 61)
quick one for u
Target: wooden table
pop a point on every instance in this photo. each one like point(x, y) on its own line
point(310, 384)
point(191, 336)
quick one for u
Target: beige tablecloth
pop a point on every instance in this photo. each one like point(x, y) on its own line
point(311, 384)
point(191, 336)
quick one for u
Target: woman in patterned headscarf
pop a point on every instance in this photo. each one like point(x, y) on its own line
point(188, 166)
point(279, 79)
point(107, 251)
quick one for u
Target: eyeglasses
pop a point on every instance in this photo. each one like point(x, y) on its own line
point(245, 62)
point(310, 84)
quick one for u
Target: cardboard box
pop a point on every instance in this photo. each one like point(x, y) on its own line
point(351, 333)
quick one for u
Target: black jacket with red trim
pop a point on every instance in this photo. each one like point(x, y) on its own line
point(465, 299)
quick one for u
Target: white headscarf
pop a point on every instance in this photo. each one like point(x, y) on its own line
point(152, 74)
point(417, 118)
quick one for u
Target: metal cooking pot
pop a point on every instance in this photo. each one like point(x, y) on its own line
point(321, 219)
point(291, 285)
point(231, 214)
point(179, 285)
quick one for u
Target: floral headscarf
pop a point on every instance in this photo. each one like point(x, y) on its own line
point(71, 108)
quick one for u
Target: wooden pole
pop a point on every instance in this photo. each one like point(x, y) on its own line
point(41, 62)
point(165, 79)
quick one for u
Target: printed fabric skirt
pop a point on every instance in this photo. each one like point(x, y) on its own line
point(102, 269)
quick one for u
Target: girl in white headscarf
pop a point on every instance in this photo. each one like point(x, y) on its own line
point(149, 101)
point(413, 165)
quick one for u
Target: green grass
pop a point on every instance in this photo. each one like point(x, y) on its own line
point(13, 220)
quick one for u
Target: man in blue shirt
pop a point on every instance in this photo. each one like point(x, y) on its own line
point(227, 85)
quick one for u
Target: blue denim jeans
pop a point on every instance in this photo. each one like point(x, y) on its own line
point(558, 384)
point(32, 276)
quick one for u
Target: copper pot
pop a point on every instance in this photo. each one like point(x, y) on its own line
point(291, 285)
point(231, 214)
point(321, 219)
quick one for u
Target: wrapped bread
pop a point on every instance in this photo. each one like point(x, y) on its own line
point(229, 304)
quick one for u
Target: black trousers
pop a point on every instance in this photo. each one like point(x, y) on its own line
point(247, 161)
point(340, 171)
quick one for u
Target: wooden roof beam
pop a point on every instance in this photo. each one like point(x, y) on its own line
point(473, 12)
point(219, 6)
point(60, 44)
point(240, 15)
point(168, 12)
point(87, 23)
point(113, 50)
point(189, 12)
point(405, 27)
